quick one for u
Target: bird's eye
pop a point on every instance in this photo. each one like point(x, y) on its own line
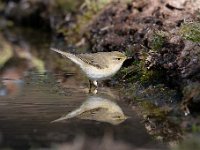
point(116, 117)
point(118, 58)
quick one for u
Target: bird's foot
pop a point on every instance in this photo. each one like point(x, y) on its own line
point(93, 87)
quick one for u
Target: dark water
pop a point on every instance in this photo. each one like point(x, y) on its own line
point(30, 101)
point(25, 120)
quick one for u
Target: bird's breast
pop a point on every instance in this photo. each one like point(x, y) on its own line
point(101, 74)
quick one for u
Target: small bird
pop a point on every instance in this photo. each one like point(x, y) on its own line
point(97, 108)
point(96, 66)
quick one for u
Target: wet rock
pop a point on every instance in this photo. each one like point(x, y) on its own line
point(191, 97)
point(189, 61)
point(156, 106)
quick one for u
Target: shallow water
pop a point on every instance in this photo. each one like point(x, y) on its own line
point(26, 116)
point(30, 101)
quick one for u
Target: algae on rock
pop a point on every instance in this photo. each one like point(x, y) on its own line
point(191, 31)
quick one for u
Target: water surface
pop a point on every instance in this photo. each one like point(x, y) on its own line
point(38, 86)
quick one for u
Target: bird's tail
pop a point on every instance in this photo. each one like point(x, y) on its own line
point(72, 57)
point(60, 119)
point(69, 115)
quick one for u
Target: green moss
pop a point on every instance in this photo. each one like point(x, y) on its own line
point(191, 31)
point(195, 128)
point(147, 75)
point(139, 72)
point(150, 110)
point(129, 73)
point(95, 6)
point(158, 40)
point(68, 5)
point(158, 93)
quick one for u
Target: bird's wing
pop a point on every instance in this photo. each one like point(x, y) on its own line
point(95, 60)
point(92, 113)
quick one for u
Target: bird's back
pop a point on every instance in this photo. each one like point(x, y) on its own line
point(98, 60)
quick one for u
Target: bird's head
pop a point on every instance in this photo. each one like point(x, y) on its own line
point(118, 57)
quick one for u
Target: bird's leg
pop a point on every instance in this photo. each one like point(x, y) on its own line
point(93, 84)
point(90, 86)
point(96, 86)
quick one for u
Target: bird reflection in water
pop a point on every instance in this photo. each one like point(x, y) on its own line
point(99, 109)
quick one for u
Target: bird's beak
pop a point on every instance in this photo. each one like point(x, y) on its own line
point(128, 57)
point(126, 117)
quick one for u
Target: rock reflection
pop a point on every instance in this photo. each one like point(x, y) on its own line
point(10, 87)
point(99, 109)
point(11, 82)
point(16, 60)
